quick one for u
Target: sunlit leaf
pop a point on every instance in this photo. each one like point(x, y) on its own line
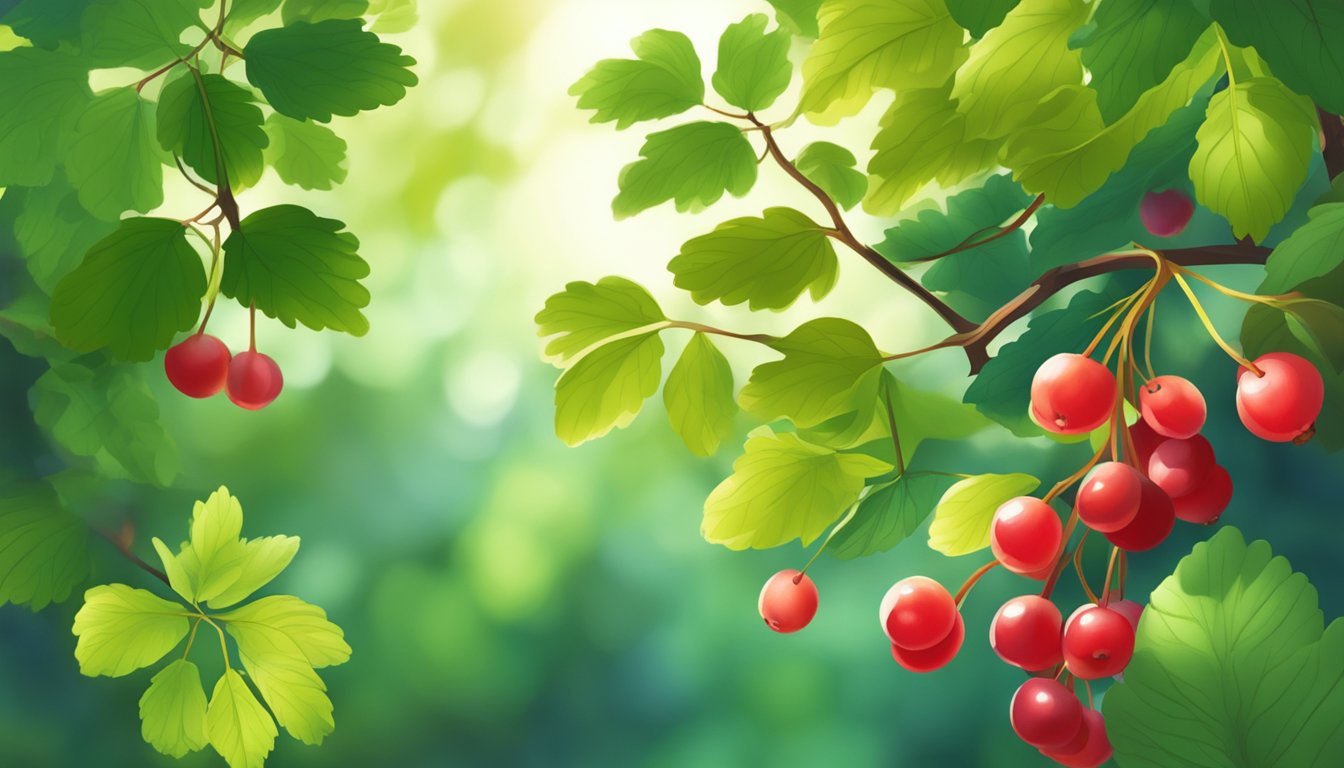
point(962, 518)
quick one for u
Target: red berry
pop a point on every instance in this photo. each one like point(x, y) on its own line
point(1283, 403)
point(1166, 213)
point(1151, 525)
point(1098, 642)
point(934, 657)
point(1129, 609)
point(788, 601)
point(1089, 748)
point(917, 613)
point(1026, 631)
point(254, 380)
point(1025, 534)
point(198, 366)
point(1206, 503)
point(1179, 466)
point(1172, 406)
point(1072, 394)
point(1145, 442)
point(1109, 497)
point(1044, 713)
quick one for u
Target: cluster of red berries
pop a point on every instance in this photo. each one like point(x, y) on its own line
point(200, 366)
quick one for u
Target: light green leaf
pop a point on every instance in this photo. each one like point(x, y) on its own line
point(587, 313)
point(121, 629)
point(888, 515)
point(390, 16)
point(53, 230)
point(175, 567)
point(922, 415)
point(1132, 46)
point(870, 44)
point(692, 165)
point(138, 33)
point(1299, 39)
point(321, 642)
point(962, 518)
point(664, 80)
point(329, 68)
point(768, 261)
point(832, 167)
point(1254, 149)
point(830, 368)
point(172, 710)
point(114, 160)
point(783, 488)
point(241, 730)
point(321, 10)
point(754, 66)
point(980, 16)
point(53, 87)
point(216, 552)
point(261, 561)
point(698, 395)
point(192, 115)
point(43, 548)
point(304, 153)
point(799, 16)
point(607, 387)
point(244, 12)
point(298, 268)
point(1312, 250)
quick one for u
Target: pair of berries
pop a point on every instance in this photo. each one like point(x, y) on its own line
point(200, 366)
point(1048, 716)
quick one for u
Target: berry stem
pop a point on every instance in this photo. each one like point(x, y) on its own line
point(1110, 572)
point(1078, 566)
point(853, 509)
point(971, 581)
point(1219, 287)
point(1087, 684)
point(1213, 332)
point(1148, 340)
point(252, 318)
point(1066, 483)
point(1063, 560)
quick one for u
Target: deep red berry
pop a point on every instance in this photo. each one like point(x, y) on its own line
point(1072, 394)
point(1044, 713)
point(198, 366)
point(1025, 534)
point(788, 601)
point(934, 657)
point(1098, 642)
point(1166, 213)
point(917, 613)
point(1283, 403)
point(1172, 406)
point(1089, 748)
point(254, 380)
point(1145, 442)
point(1179, 466)
point(1206, 503)
point(1026, 633)
point(1109, 497)
point(1129, 609)
point(1151, 525)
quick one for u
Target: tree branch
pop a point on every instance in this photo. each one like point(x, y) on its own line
point(1332, 142)
point(122, 541)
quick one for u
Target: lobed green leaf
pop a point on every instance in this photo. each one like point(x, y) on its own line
point(692, 165)
point(663, 80)
point(962, 519)
point(698, 395)
point(585, 314)
point(754, 66)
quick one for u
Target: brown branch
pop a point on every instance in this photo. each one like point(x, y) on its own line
point(1332, 142)
point(1012, 226)
point(122, 541)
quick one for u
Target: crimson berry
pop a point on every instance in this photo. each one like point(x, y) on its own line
point(935, 656)
point(1172, 406)
point(1089, 748)
point(1206, 503)
point(1129, 609)
point(1145, 442)
point(1072, 394)
point(254, 380)
point(1026, 631)
point(1025, 534)
point(198, 366)
point(1044, 713)
point(917, 613)
point(1179, 466)
point(1167, 212)
point(1281, 404)
point(1109, 497)
point(1151, 525)
point(1098, 642)
point(788, 601)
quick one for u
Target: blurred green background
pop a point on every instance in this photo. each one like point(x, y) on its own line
point(514, 602)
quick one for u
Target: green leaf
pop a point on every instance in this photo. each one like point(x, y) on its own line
point(799, 16)
point(1299, 39)
point(43, 548)
point(298, 268)
point(24, 323)
point(241, 730)
point(962, 518)
point(888, 515)
point(136, 289)
point(172, 710)
point(664, 80)
point(243, 12)
point(870, 44)
point(698, 395)
point(585, 314)
point(192, 114)
point(321, 10)
point(768, 261)
point(260, 561)
point(1312, 250)
point(53, 230)
point(321, 642)
point(831, 167)
point(1132, 46)
point(980, 16)
point(329, 68)
point(53, 87)
point(921, 416)
point(216, 527)
point(830, 368)
point(114, 160)
point(783, 488)
point(607, 387)
point(47, 23)
point(1254, 149)
point(754, 66)
point(138, 33)
point(121, 629)
point(994, 90)
point(1319, 325)
point(693, 165)
point(304, 153)
point(1232, 667)
point(391, 16)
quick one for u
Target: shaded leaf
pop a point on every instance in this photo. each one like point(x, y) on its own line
point(889, 514)
point(194, 114)
point(43, 548)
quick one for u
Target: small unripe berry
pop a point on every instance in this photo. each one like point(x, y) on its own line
point(1166, 213)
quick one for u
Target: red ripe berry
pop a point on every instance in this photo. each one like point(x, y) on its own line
point(1179, 466)
point(1025, 535)
point(1172, 406)
point(1145, 442)
point(254, 380)
point(1089, 748)
point(1206, 503)
point(1151, 525)
point(1098, 642)
point(935, 657)
point(1129, 609)
point(1026, 631)
point(788, 601)
point(1044, 713)
point(1166, 213)
point(1109, 497)
point(198, 366)
point(917, 613)
point(1283, 403)
point(1072, 394)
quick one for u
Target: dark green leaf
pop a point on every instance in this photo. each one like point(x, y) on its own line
point(24, 322)
point(1298, 38)
point(1320, 325)
point(693, 165)
point(47, 23)
point(663, 80)
point(194, 114)
point(138, 33)
point(799, 16)
point(980, 16)
point(52, 87)
point(43, 548)
point(889, 514)
point(1132, 45)
point(831, 167)
point(114, 161)
point(54, 231)
point(304, 153)
point(754, 66)
point(1314, 249)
